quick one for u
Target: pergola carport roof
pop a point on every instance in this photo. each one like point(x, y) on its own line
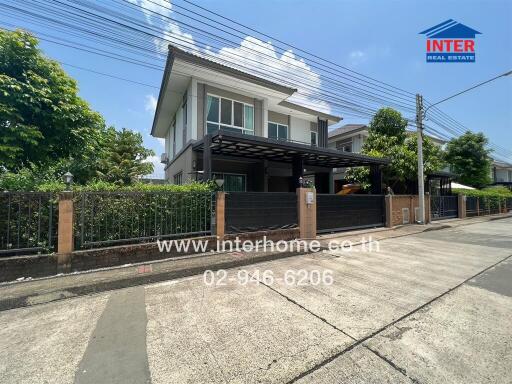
point(255, 147)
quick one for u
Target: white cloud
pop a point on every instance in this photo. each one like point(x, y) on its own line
point(151, 102)
point(158, 167)
point(252, 55)
point(357, 57)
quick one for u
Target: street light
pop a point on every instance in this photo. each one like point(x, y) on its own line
point(420, 115)
point(464, 91)
point(68, 179)
point(219, 182)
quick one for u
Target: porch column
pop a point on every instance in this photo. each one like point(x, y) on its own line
point(207, 158)
point(322, 180)
point(297, 170)
point(376, 179)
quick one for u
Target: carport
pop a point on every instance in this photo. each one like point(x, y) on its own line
point(295, 158)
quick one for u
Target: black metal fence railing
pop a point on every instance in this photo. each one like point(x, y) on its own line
point(336, 212)
point(254, 211)
point(116, 218)
point(472, 206)
point(444, 207)
point(28, 222)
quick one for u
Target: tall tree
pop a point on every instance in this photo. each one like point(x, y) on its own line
point(42, 118)
point(124, 158)
point(388, 138)
point(469, 159)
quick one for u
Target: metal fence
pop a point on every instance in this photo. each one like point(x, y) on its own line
point(254, 211)
point(444, 207)
point(116, 218)
point(472, 206)
point(336, 212)
point(28, 223)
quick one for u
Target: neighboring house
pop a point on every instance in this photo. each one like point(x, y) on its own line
point(220, 122)
point(501, 173)
point(350, 138)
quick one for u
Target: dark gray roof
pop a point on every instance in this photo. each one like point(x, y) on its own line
point(199, 60)
point(347, 128)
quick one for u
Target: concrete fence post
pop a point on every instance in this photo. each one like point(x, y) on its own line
point(461, 203)
point(65, 232)
point(220, 218)
point(306, 212)
point(389, 210)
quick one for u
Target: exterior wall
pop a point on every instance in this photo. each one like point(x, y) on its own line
point(179, 129)
point(407, 201)
point(201, 110)
point(182, 163)
point(300, 130)
point(277, 117)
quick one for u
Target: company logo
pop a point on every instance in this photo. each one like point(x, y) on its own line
point(450, 42)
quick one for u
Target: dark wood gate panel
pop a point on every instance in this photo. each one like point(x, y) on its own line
point(255, 211)
point(444, 207)
point(334, 212)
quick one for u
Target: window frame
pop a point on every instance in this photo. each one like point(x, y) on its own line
point(223, 174)
point(278, 124)
point(178, 178)
point(311, 138)
point(244, 130)
point(342, 144)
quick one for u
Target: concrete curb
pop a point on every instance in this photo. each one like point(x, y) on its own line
point(226, 260)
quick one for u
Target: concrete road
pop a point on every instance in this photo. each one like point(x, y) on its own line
point(434, 307)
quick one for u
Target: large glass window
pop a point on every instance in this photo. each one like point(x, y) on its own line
point(225, 111)
point(229, 115)
point(277, 131)
point(232, 182)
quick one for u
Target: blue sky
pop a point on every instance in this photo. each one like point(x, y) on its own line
point(377, 38)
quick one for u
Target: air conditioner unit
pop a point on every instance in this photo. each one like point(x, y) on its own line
point(164, 158)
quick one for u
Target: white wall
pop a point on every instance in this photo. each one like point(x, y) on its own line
point(179, 129)
point(300, 130)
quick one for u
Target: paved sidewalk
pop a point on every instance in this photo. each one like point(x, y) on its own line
point(43, 290)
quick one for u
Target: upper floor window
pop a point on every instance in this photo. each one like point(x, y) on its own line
point(230, 115)
point(277, 131)
point(344, 145)
point(314, 138)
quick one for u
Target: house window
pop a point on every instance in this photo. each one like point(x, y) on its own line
point(344, 145)
point(229, 115)
point(178, 178)
point(277, 131)
point(314, 140)
point(233, 182)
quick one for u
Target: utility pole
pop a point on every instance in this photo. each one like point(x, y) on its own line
point(419, 129)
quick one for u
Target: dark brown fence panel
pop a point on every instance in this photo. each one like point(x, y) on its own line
point(471, 206)
point(114, 218)
point(444, 207)
point(28, 223)
point(336, 212)
point(255, 211)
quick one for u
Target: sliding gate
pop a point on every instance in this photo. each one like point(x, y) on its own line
point(336, 213)
point(444, 207)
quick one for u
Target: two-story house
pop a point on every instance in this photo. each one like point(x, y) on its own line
point(501, 173)
point(222, 123)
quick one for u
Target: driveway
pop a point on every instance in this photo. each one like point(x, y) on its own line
point(434, 307)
